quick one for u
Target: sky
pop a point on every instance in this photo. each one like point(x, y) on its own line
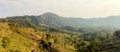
point(66, 8)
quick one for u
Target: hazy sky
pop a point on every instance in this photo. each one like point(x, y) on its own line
point(67, 8)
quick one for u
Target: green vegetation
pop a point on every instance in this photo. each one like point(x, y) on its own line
point(51, 33)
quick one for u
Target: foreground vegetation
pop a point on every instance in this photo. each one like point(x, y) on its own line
point(18, 39)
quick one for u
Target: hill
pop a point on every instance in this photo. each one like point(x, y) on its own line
point(53, 33)
point(53, 20)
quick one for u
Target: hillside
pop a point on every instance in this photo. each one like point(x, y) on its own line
point(19, 39)
point(53, 33)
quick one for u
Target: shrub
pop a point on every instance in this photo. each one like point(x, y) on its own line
point(5, 42)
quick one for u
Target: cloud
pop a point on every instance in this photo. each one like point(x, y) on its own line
point(77, 8)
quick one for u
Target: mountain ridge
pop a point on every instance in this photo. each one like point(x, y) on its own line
point(54, 20)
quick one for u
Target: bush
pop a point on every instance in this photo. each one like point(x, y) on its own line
point(5, 42)
point(117, 33)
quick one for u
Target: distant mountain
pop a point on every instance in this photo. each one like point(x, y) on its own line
point(54, 20)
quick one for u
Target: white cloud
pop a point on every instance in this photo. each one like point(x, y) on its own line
point(77, 8)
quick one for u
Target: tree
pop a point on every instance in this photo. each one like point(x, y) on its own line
point(117, 33)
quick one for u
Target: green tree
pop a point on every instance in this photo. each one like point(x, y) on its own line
point(117, 33)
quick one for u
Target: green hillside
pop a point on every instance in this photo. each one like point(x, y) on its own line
point(17, 39)
point(52, 33)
